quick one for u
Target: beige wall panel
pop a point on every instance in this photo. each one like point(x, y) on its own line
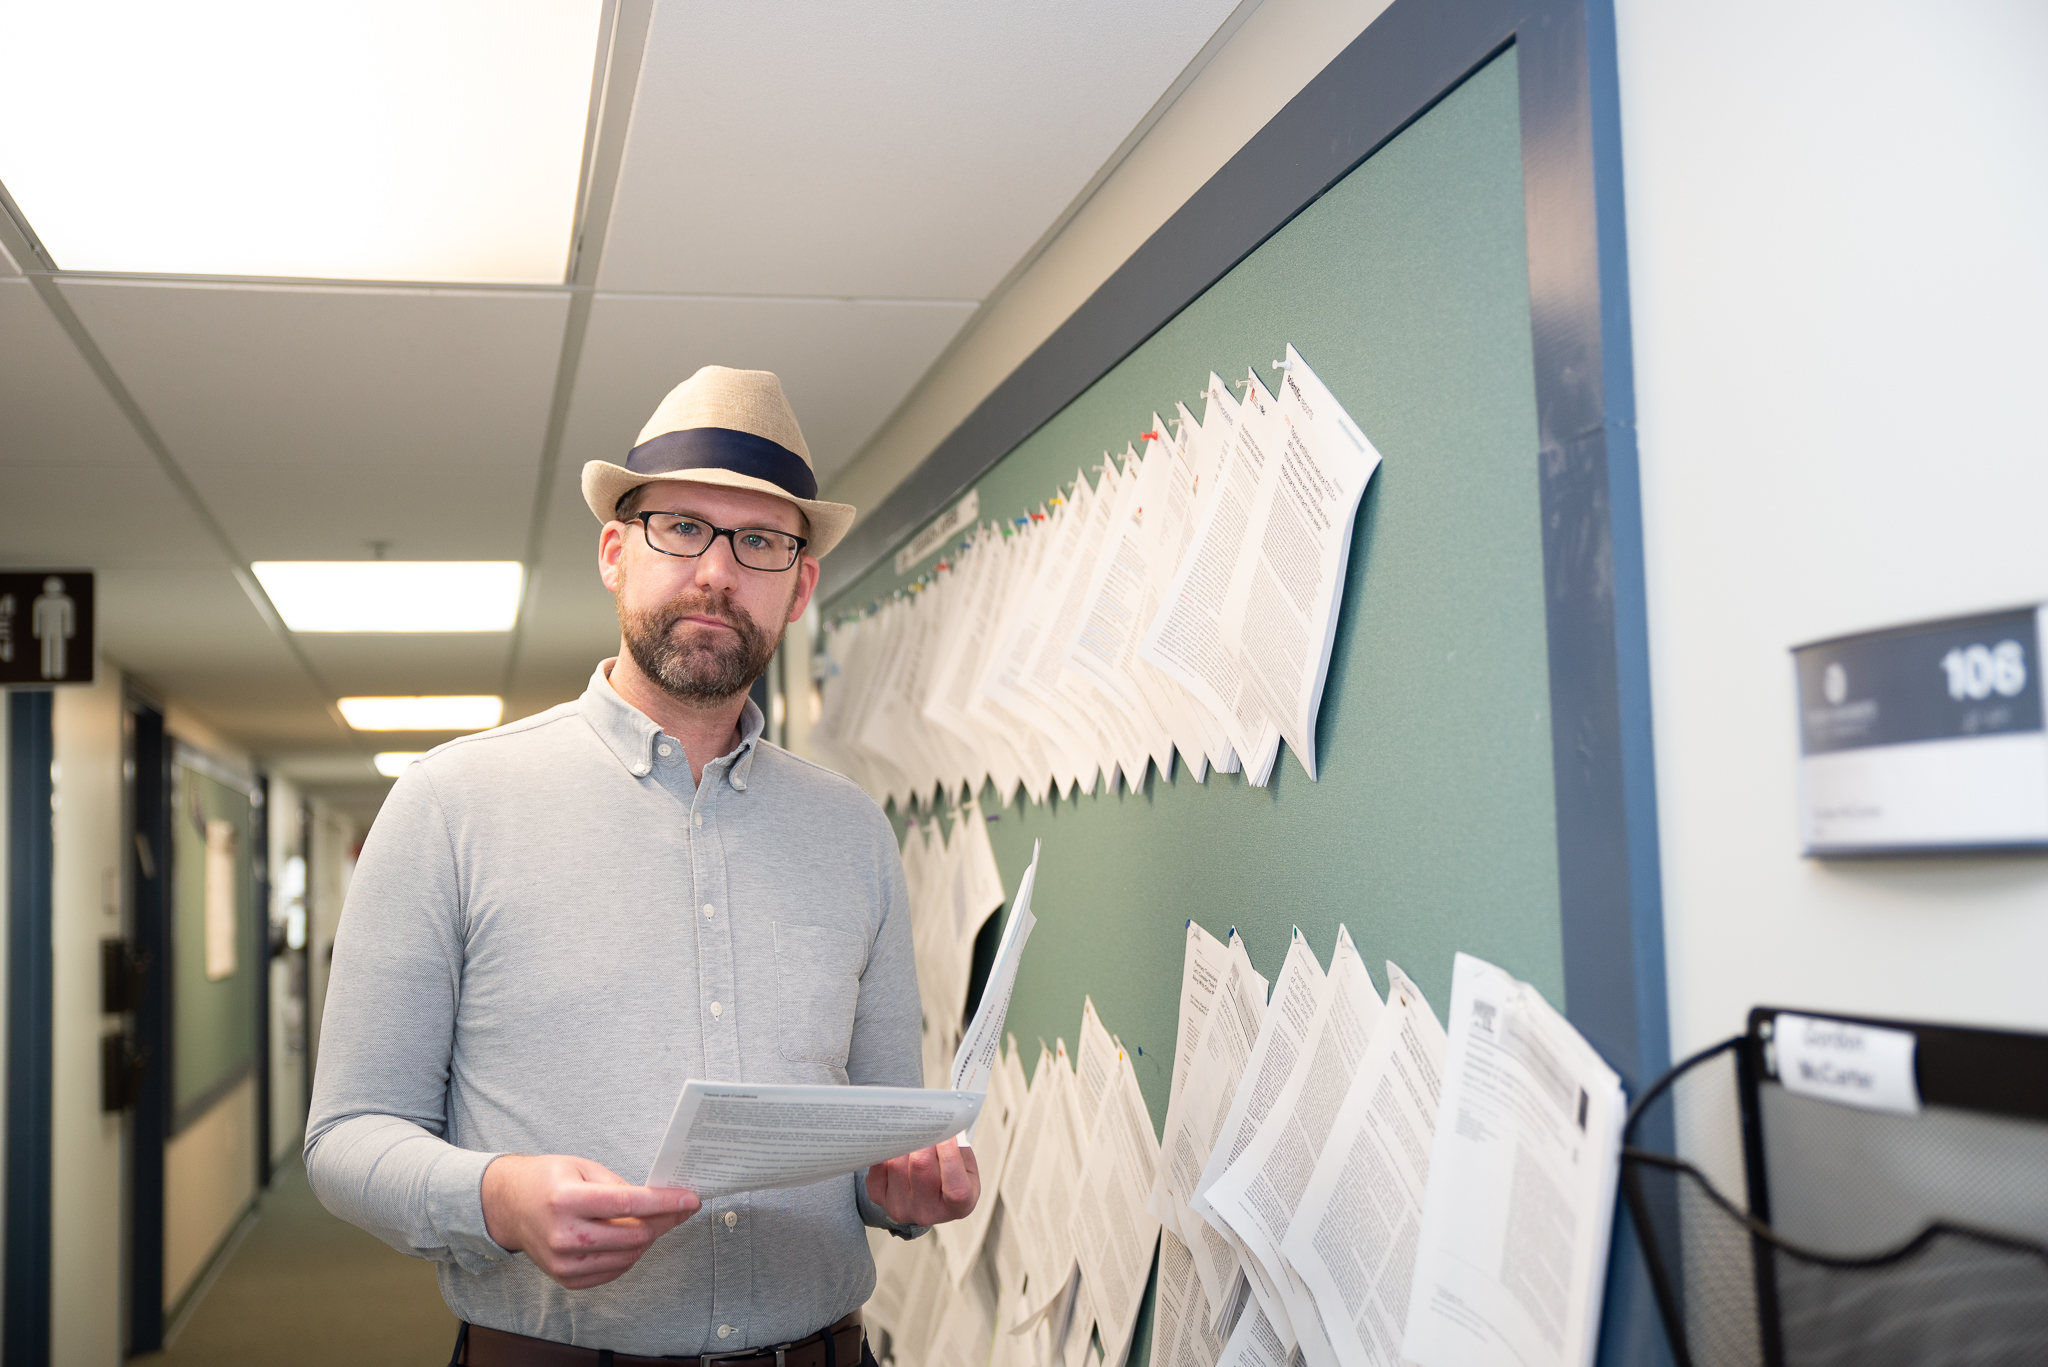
point(86, 1164)
point(209, 1181)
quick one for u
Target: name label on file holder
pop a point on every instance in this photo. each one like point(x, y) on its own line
point(1853, 1065)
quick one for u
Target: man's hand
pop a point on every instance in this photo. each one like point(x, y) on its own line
point(579, 1222)
point(928, 1187)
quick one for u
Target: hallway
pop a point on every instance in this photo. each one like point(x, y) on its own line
point(307, 1289)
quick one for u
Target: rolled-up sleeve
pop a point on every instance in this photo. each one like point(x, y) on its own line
point(377, 1152)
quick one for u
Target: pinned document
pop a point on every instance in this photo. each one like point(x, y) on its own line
point(1353, 1238)
point(1259, 1193)
point(1112, 1233)
point(1522, 1176)
point(1283, 1033)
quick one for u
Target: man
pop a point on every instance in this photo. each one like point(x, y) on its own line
point(554, 924)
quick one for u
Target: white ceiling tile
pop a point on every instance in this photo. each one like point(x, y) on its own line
point(343, 377)
point(52, 407)
point(901, 148)
point(99, 516)
point(423, 510)
point(407, 665)
point(194, 635)
point(7, 266)
point(844, 364)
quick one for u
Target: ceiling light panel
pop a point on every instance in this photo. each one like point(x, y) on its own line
point(474, 713)
point(394, 595)
point(379, 140)
point(392, 763)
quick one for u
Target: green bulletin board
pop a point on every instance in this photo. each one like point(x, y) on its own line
point(1433, 827)
point(213, 1020)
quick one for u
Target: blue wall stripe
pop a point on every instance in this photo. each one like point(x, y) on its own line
point(30, 869)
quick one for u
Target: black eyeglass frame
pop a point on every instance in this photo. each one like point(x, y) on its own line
point(729, 533)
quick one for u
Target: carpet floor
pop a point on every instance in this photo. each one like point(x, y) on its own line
point(309, 1290)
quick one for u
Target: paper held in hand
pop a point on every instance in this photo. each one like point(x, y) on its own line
point(983, 1044)
point(729, 1137)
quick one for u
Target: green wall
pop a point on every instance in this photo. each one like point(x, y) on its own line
point(213, 1024)
point(1433, 828)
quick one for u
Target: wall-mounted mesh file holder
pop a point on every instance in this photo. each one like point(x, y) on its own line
point(1786, 1230)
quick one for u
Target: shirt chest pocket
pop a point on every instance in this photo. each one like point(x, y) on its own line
point(817, 984)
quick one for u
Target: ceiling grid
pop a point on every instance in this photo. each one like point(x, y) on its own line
point(830, 194)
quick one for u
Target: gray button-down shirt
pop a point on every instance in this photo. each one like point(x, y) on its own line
point(550, 929)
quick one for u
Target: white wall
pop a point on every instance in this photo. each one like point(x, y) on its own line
point(1840, 295)
point(87, 1171)
point(287, 1016)
point(330, 864)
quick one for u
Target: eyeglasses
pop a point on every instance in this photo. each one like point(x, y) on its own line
point(758, 548)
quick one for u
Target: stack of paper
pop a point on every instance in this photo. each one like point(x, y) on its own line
point(1306, 1208)
point(725, 1138)
point(1318, 1193)
point(1180, 598)
point(1258, 1195)
point(1112, 1233)
point(1353, 1240)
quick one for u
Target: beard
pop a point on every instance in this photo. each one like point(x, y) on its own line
point(695, 670)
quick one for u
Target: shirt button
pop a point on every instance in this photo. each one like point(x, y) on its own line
point(708, 912)
point(717, 1009)
point(700, 818)
point(725, 1331)
point(665, 751)
point(732, 1218)
point(640, 769)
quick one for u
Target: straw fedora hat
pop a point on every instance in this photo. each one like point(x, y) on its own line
point(731, 428)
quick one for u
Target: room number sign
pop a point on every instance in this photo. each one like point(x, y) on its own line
point(1925, 738)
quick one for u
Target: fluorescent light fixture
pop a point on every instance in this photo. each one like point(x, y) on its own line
point(448, 713)
point(394, 595)
point(377, 140)
point(392, 763)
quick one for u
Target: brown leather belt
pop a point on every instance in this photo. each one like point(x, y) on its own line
point(837, 1345)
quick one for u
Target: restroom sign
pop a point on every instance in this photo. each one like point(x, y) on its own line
point(46, 628)
point(1925, 738)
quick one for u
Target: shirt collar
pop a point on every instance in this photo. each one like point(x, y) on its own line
point(631, 735)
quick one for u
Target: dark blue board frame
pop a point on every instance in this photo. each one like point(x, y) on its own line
point(1408, 59)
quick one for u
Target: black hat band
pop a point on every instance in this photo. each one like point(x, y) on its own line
point(722, 448)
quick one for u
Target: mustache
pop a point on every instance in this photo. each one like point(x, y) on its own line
point(704, 605)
